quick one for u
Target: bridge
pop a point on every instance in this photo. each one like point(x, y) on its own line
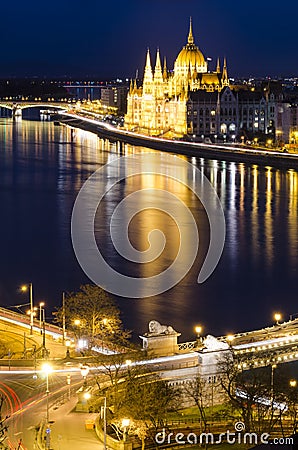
point(18, 106)
point(178, 362)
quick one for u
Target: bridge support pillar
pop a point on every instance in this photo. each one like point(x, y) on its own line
point(121, 148)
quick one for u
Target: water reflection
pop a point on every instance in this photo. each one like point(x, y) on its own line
point(42, 168)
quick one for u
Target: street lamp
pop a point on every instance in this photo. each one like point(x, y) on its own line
point(68, 380)
point(63, 317)
point(67, 343)
point(41, 315)
point(293, 383)
point(277, 318)
point(198, 330)
point(84, 373)
point(25, 288)
point(104, 416)
point(230, 338)
point(125, 424)
point(47, 369)
point(273, 367)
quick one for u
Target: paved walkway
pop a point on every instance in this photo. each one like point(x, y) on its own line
point(68, 430)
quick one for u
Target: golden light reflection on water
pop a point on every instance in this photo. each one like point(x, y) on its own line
point(260, 205)
point(268, 220)
point(254, 198)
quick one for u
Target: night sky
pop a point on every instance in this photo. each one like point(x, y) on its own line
point(108, 39)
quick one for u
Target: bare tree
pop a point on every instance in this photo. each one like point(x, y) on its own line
point(196, 390)
point(251, 392)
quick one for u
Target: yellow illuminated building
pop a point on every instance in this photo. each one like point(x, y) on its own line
point(159, 106)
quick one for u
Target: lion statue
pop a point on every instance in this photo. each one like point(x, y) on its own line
point(212, 344)
point(155, 328)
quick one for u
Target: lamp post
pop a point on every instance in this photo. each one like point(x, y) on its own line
point(24, 288)
point(67, 343)
point(125, 424)
point(84, 373)
point(104, 416)
point(77, 323)
point(273, 367)
point(68, 380)
point(41, 315)
point(293, 399)
point(198, 330)
point(63, 318)
point(47, 369)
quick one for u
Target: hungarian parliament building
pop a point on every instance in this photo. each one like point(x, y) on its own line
point(193, 100)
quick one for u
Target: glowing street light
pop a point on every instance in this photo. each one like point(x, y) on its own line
point(84, 373)
point(25, 288)
point(47, 369)
point(67, 344)
point(230, 338)
point(41, 315)
point(198, 330)
point(277, 318)
point(293, 383)
point(125, 424)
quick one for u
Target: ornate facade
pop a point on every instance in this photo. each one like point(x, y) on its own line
point(159, 106)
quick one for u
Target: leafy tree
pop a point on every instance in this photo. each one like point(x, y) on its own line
point(92, 313)
point(147, 400)
point(132, 391)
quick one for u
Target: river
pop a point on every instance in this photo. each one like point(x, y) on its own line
point(42, 168)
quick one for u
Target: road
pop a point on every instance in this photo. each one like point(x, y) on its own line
point(25, 401)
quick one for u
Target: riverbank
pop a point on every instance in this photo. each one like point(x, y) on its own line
point(209, 151)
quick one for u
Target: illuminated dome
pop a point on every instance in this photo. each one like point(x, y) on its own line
point(190, 57)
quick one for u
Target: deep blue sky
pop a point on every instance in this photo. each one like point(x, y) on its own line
point(109, 38)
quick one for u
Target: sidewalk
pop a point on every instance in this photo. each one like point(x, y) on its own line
point(68, 430)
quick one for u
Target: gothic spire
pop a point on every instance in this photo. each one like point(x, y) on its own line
point(157, 64)
point(225, 77)
point(148, 68)
point(165, 70)
point(190, 35)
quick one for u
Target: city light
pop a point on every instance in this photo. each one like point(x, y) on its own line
point(277, 317)
point(25, 288)
point(198, 330)
point(47, 369)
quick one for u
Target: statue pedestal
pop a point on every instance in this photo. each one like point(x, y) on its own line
point(161, 344)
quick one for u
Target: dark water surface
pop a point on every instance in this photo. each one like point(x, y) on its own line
point(42, 168)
